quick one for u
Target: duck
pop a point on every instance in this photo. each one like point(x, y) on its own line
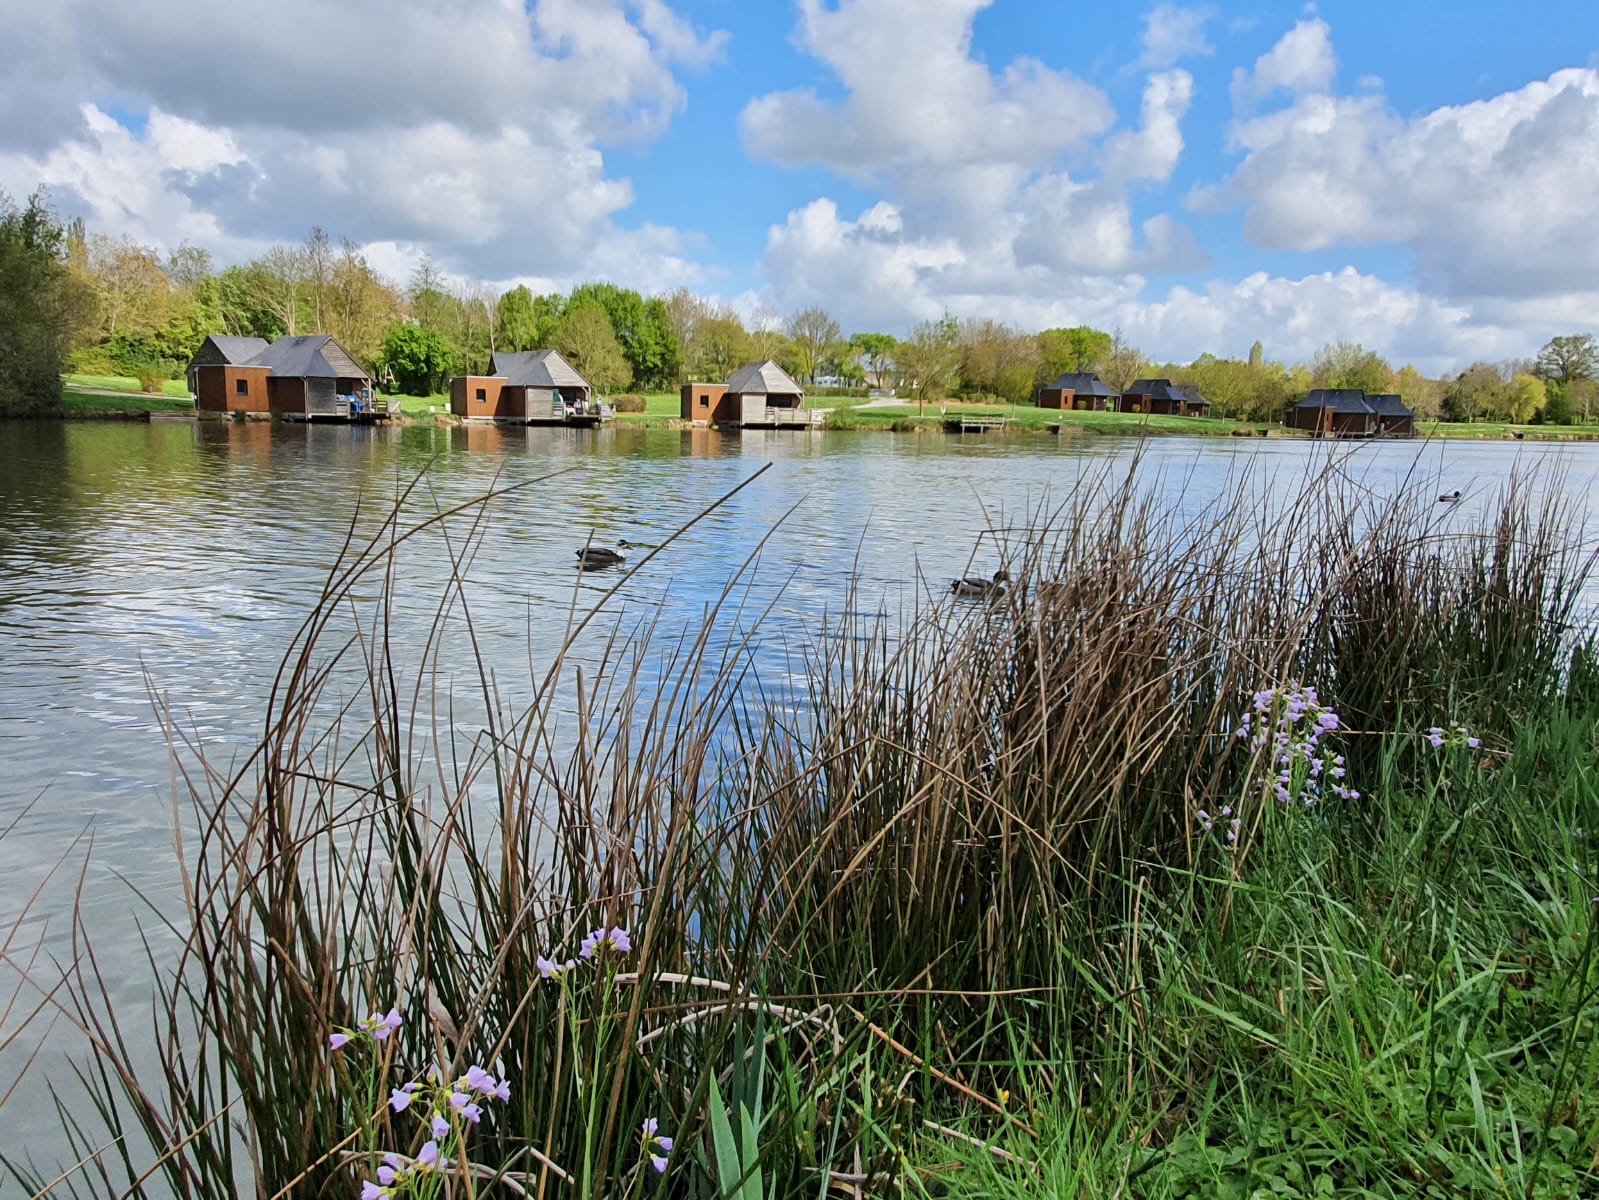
point(976, 585)
point(1449, 497)
point(591, 556)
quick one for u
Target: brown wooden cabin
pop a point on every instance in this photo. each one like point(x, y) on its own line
point(313, 376)
point(222, 379)
point(1082, 391)
point(706, 403)
point(1394, 419)
point(1153, 396)
point(528, 386)
point(1194, 402)
point(1350, 413)
point(307, 377)
point(759, 395)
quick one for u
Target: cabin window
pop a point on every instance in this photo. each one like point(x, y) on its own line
point(483, 395)
point(705, 400)
point(241, 387)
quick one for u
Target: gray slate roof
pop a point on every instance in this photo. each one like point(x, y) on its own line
point(1389, 404)
point(310, 356)
point(1192, 394)
point(763, 378)
point(1340, 400)
point(1084, 383)
point(220, 349)
point(536, 368)
point(1157, 389)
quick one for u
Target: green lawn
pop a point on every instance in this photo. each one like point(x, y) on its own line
point(1504, 429)
point(134, 402)
point(122, 383)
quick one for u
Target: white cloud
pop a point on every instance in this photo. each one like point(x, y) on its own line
point(1173, 33)
point(1301, 62)
point(1495, 198)
point(997, 182)
point(476, 127)
point(917, 100)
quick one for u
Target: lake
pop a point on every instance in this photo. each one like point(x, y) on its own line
point(182, 557)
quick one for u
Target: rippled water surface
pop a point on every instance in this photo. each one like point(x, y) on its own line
point(182, 558)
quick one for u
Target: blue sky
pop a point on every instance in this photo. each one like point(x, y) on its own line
point(1425, 181)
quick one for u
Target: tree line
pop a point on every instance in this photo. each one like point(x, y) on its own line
point(97, 304)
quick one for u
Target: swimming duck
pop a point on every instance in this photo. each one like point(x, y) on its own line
point(589, 557)
point(1449, 498)
point(976, 585)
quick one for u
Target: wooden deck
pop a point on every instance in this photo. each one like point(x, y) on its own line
point(957, 423)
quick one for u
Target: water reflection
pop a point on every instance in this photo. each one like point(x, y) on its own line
point(184, 557)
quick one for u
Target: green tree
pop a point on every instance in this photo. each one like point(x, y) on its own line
point(1476, 392)
point(131, 285)
point(1565, 360)
point(812, 335)
point(1069, 351)
point(875, 351)
point(359, 304)
point(929, 359)
point(526, 321)
point(722, 345)
point(586, 340)
point(242, 307)
point(1525, 398)
point(43, 305)
point(642, 328)
point(1351, 365)
point(418, 358)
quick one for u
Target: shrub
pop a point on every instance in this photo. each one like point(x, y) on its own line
point(841, 418)
point(628, 403)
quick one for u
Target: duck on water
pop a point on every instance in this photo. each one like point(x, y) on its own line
point(591, 557)
point(1449, 497)
point(976, 585)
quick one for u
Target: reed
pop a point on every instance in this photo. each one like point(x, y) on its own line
point(965, 859)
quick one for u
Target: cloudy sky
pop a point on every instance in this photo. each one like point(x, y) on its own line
point(1422, 179)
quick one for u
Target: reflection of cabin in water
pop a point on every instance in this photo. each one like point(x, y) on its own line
point(306, 377)
point(1350, 413)
point(1082, 391)
point(531, 387)
point(760, 395)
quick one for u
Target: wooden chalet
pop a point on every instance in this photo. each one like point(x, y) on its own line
point(760, 395)
point(306, 377)
point(531, 387)
point(1153, 396)
point(1350, 413)
point(1083, 391)
point(1194, 402)
point(222, 379)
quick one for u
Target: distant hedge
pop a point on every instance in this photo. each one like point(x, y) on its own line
point(628, 403)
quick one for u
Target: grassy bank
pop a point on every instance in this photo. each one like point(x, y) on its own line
point(123, 383)
point(992, 901)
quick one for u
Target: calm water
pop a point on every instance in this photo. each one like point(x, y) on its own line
point(183, 557)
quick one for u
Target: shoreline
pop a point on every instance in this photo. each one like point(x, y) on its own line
point(91, 405)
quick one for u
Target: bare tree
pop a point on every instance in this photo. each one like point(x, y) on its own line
point(1124, 363)
point(812, 334)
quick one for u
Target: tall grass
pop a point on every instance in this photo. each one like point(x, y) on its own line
point(955, 874)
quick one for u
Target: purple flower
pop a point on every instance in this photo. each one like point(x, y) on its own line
point(550, 969)
point(459, 1100)
point(470, 1113)
point(656, 1145)
point(478, 1079)
point(339, 1040)
point(502, 1091)
point(616, 938)
point(439, 1125)
point(371, 1191)
point(428, 1157)
point(1473, 742)
point(1435, 735)
point(400, 1098)
point(387, 1024)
